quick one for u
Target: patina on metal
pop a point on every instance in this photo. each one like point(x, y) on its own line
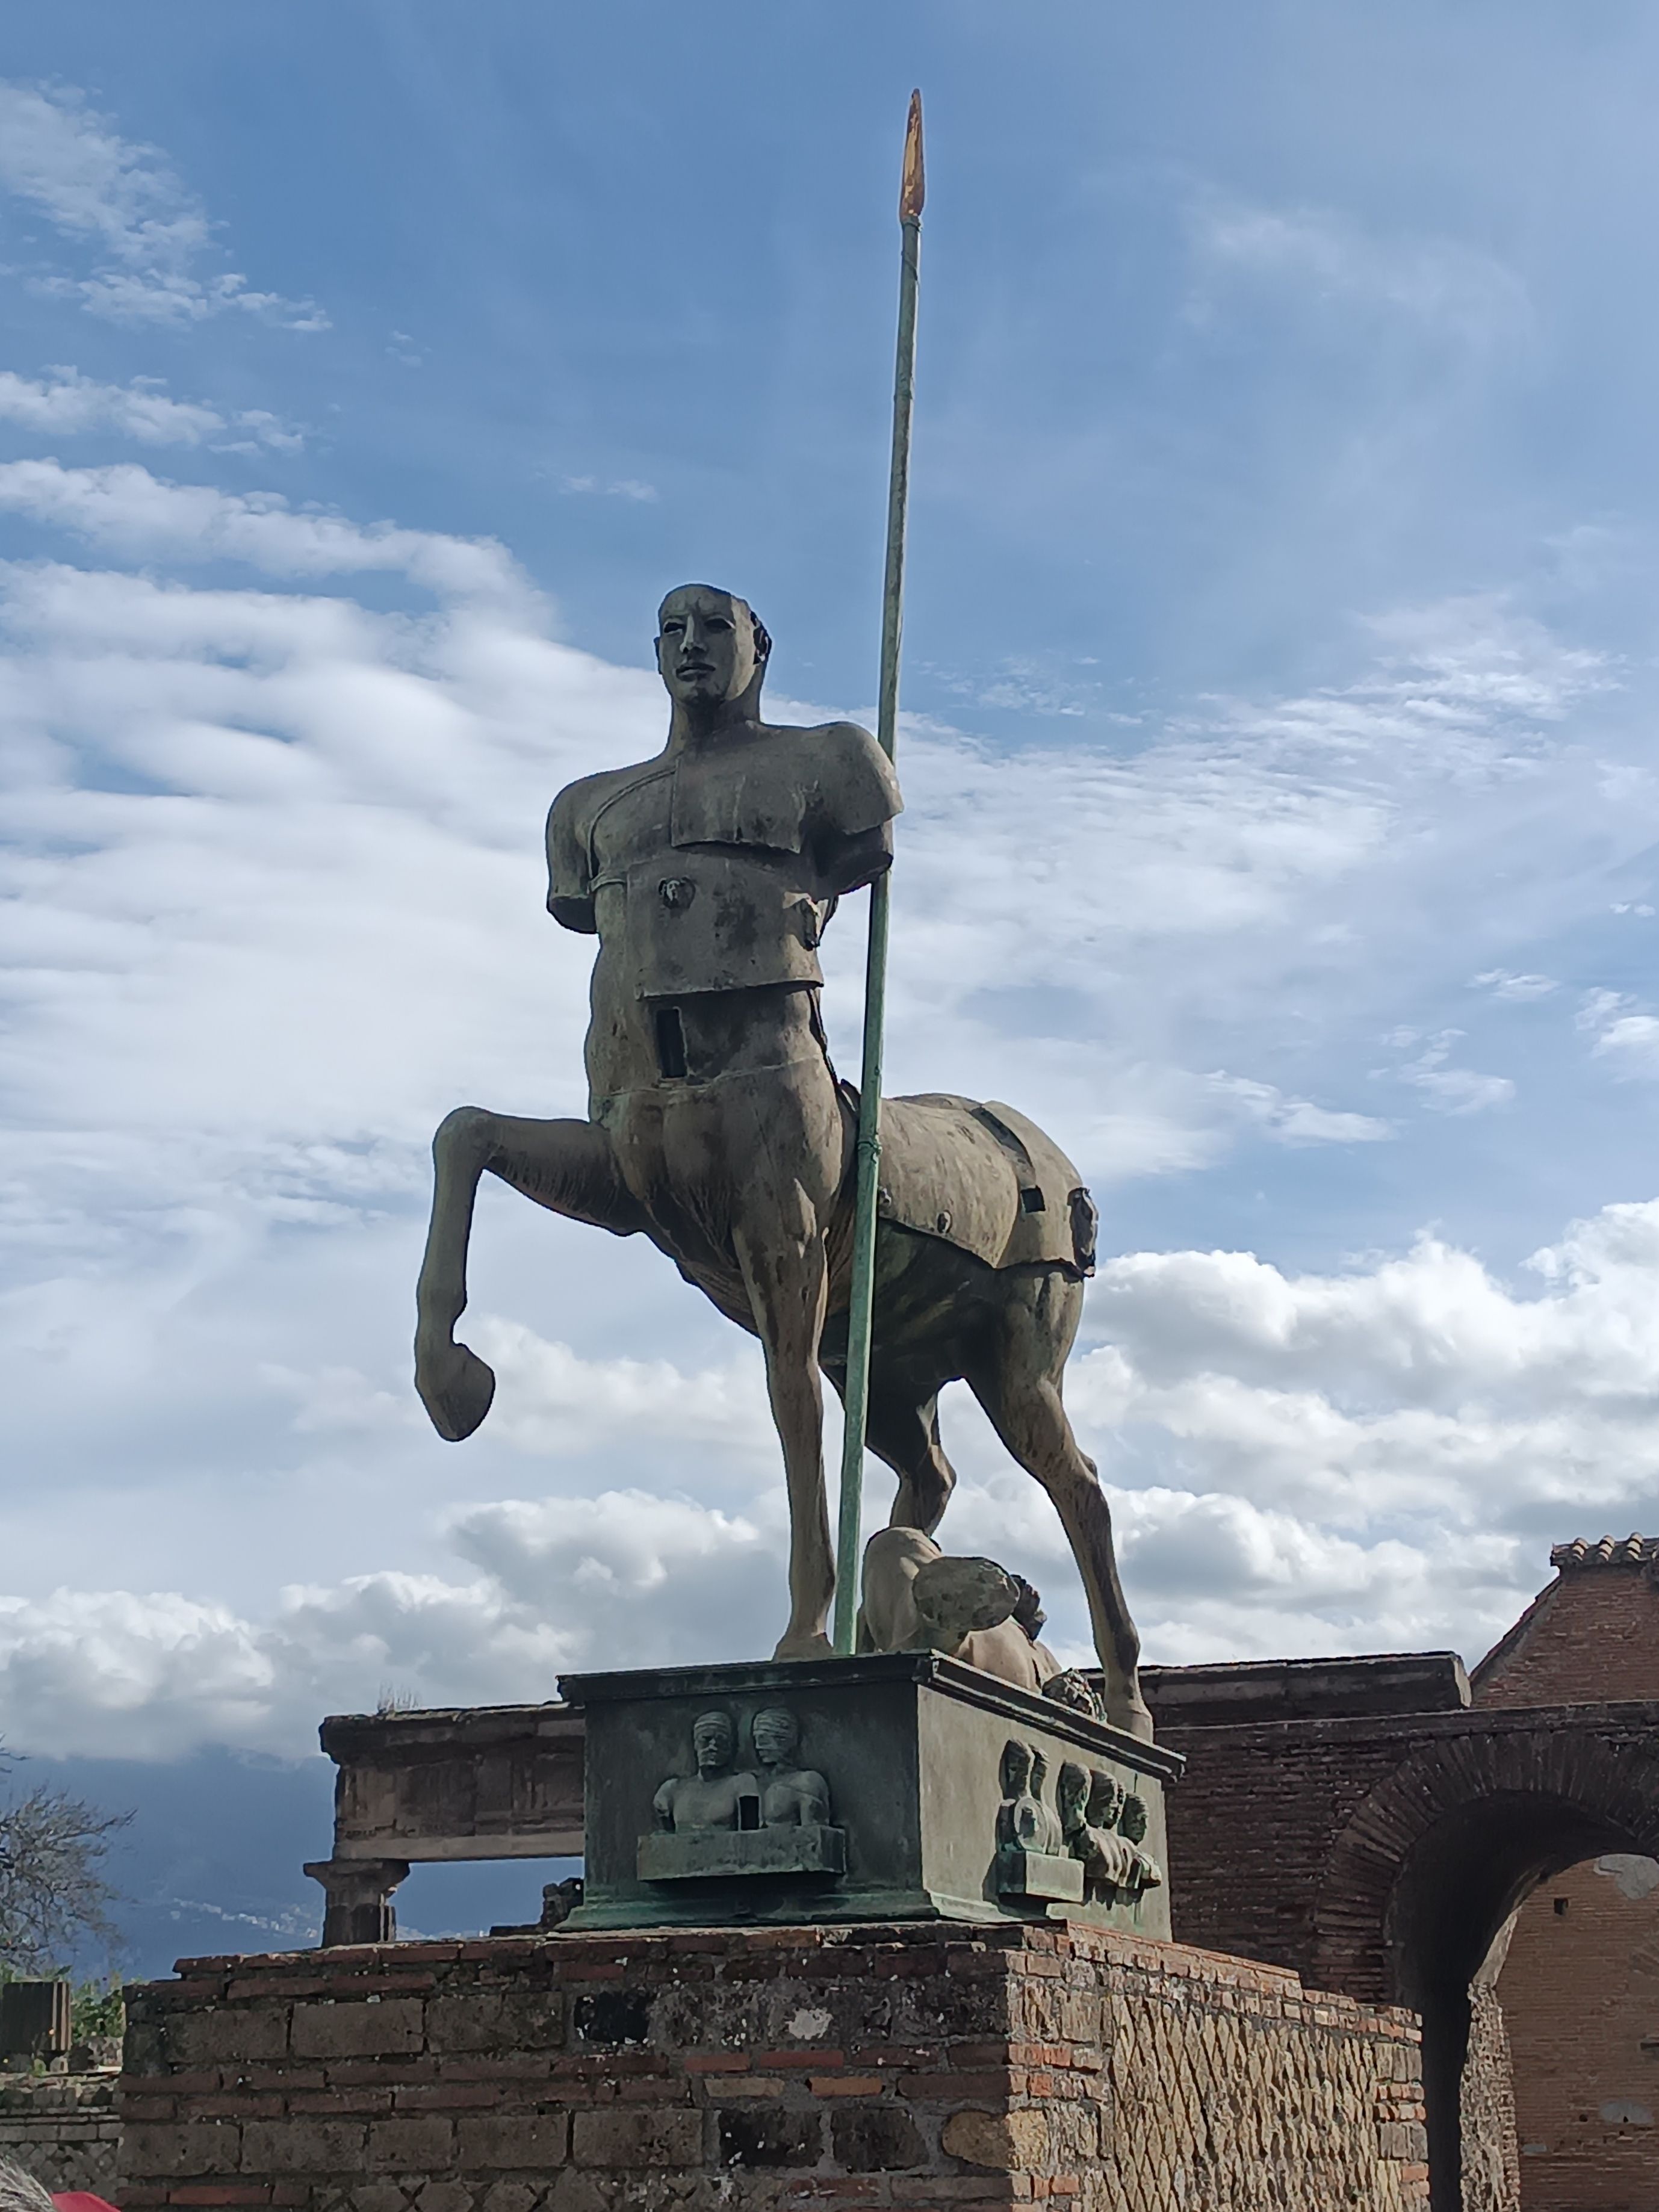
point(928, 1789)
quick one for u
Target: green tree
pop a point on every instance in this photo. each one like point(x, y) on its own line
point(53, 1895)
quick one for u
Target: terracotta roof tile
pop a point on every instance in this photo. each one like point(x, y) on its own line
point(1611, 1551)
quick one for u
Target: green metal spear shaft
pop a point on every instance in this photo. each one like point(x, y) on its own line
point(867, 1154)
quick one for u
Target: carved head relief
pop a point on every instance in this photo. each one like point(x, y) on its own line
point(713, 1741)
point(1132, 1820)
point(1016, 1768)
point(776, 1734)
point(1071, 1795)
point(1105, 1798)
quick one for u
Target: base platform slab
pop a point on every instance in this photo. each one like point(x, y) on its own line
point(767, 2069)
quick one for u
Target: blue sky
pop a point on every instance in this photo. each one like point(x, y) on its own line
point(1280, 691)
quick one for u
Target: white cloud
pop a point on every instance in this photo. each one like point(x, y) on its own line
point(115, 1673)
point(1631, 1041)
point(1297, 1121)
point(147, 236)
point(66, 404)
point(1514, 990)
point(126, 508)
point(1448, 1089)
point(629, 488)
point(1437, 281)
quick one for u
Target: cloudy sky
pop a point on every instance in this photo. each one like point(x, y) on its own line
point(1279, 758)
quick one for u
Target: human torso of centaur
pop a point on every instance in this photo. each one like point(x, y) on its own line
point(707, 875)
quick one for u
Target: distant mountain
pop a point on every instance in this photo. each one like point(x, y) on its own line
point(211, 1861)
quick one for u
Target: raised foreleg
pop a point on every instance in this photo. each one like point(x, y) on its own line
point(567, 1166)
point(1017, 1379)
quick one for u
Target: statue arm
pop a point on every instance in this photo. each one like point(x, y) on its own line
point(662, 1805)
point(569, 896)
point(847, 864)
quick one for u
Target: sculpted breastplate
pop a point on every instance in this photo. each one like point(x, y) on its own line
point(702, 871)
point(715, 919)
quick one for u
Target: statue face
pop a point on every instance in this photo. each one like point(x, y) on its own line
point(705, 645)
point(775, 1735)
point(1016, 1768)
point(712, 1743)
point(1071, 1793)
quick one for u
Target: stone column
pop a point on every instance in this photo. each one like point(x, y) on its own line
point(359, 1893)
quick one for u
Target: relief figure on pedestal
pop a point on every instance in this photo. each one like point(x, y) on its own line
point(714, 1796)
point(791, 1796)
point(1114, 1865)
point(1031, 1856)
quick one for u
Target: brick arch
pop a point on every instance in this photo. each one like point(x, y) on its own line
point(1551, 1781)
point(1430, 1866)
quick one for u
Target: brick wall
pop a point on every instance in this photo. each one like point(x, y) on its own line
point(1580, 1990)
point(62, 2127)
point(1591, 1637)
point(760, 2069)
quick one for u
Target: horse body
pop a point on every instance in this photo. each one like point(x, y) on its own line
point(743, 1180)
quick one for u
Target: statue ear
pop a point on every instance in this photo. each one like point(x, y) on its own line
point(762, 638)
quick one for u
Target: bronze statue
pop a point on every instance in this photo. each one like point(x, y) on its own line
point(718, 1128)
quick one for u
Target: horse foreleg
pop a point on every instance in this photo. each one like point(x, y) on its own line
point(786, 1277)
point(567, 1166)
point(1018, 1383)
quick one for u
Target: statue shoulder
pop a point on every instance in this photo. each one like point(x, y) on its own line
point(572, 812)
point(851, 780)
point(570, 821)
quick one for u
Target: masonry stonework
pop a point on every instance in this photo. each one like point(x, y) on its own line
point(1579, 1987)
point(62, 2129)
point(760, 2069)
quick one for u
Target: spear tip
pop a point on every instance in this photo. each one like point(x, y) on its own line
point(912, 188)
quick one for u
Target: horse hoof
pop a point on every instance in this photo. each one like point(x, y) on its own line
point(456, 1388)
point(817, 1646)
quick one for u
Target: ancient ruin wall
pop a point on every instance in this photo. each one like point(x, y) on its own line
point(62, 2129)
point(756, 2068)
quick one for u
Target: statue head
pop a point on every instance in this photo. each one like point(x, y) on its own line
point(713, 1742)
point(776, 1732)
point(956, 1598)
point(1131, 1818)
point(712, 649)
point(1104, 1799)
point(1071, 1795)
point(1015, 1770)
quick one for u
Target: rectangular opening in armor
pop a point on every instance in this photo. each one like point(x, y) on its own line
point(671, 1041)
point(749, 1810)
point(1031, 1201)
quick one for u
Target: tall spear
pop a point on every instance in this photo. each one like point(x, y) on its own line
point(867, 1153)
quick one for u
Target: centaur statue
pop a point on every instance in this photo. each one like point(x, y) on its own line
point(717, 1127)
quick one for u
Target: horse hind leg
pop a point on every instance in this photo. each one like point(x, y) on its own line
point(1017, 1379)
point(567, 1166)
point(902, 1431)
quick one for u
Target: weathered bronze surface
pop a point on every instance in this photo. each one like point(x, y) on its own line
point(930, 1794)
point(718, 1128)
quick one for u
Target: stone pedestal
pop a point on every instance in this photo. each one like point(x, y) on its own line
point(899, 1786)
point(767, 2069)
